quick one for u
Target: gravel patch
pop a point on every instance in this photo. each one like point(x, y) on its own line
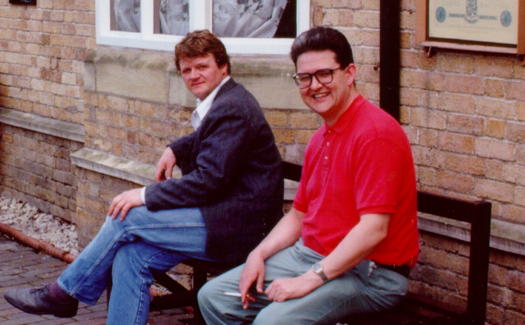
point(32, 222)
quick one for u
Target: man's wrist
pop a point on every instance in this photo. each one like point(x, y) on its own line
point(318, 270)
point(312, 280)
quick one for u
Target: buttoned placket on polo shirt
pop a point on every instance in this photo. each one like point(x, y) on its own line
point(326, 152)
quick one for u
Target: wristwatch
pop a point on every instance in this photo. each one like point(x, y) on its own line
point(318, 269)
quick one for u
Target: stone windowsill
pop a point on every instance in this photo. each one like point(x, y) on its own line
point(505, 236)
point(40, 124)
point(152, 76)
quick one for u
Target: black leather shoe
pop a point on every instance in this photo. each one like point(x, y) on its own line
point(39, 301)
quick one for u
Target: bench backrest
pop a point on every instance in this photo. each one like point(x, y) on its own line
point(478, 215)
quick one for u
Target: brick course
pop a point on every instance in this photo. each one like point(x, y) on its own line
point(36, 168)
point(464, 113)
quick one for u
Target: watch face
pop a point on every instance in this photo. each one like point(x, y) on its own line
point(318, 269)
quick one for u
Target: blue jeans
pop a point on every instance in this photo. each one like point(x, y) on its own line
point(364, 288)
point(126, 251)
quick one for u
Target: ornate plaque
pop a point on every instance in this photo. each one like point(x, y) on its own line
point(485, 21)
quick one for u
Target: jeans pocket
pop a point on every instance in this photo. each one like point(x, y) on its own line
point(388, 281)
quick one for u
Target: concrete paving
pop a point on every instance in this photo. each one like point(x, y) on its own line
point(22, 266)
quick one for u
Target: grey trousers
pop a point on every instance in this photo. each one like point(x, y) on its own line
point(365, 288)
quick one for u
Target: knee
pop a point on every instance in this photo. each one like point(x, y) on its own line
point(119, 226)
point(274, 317)
point(206, 295)
point(130, 260)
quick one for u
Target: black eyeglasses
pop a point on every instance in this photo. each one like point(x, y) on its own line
point(323, 76)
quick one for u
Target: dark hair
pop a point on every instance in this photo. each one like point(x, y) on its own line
point(322, 38)
point(199, 43)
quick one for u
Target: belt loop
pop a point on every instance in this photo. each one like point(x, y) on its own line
point(371, 267)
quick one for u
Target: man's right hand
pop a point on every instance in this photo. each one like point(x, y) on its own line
point(165, 165)
point(253, 271)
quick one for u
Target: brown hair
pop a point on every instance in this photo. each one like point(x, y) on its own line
point(199, 43)
point(323, 38)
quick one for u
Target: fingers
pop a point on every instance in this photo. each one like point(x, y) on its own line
point(246, 281)
point(275, 293)
point(165, 165)
point(124, 211)
point(168, 173)
point(159, 174)
point(123, 202)
point(246, 300)
point(114, 208)
point(260, 282)
point(245, 296)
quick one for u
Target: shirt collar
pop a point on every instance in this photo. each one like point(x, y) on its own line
point(203, 106)
point(346, 118)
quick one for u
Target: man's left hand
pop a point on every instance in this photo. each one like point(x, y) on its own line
point(123, 202)
point(289, 288)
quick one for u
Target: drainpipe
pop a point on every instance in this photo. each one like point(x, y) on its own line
point(389, 56)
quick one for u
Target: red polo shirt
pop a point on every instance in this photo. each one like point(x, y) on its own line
point(362, 164)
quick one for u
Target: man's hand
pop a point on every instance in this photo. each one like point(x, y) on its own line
point(123, 202)
point(289, 288)
point(253, 271)
point(165, 165)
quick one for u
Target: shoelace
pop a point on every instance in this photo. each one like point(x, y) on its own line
point(40, 291)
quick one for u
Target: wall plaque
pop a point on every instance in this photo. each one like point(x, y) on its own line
point(479, 25)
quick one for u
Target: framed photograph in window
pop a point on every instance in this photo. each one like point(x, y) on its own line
point(477, 25)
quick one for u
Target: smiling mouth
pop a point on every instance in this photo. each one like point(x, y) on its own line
point(317, 96)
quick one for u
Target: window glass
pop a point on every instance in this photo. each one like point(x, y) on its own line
point(254, 18)
point(160, 24)
point(125, 15)
point(173, 17)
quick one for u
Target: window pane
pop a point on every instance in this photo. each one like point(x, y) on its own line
point(125, 15)
point(254, 18)
point(172, 18)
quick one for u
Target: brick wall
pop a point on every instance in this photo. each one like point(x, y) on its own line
point(35, 167)
point(42, 49)
point(464, 113)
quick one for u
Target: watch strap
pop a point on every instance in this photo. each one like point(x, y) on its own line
point(317, 268)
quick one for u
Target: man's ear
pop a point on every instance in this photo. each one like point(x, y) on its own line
point(350, 73)
point(224, 69)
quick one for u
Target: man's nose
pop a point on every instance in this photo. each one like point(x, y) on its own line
point(194, 74)
point(315, 84)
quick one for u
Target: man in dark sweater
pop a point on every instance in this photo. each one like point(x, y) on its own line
point(229, 197)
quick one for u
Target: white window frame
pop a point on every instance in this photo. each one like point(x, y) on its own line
point(146, 39)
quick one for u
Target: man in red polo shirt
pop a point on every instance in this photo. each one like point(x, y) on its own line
point(349, 241)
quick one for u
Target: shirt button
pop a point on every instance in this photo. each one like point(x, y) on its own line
point(325, 157)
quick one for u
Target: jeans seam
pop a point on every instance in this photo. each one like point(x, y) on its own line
point(74, 290)
point(143, 284)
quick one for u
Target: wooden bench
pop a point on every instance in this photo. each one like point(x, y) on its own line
point(414, 309)
point(419, 310)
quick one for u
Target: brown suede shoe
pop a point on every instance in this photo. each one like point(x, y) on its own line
point(39, 301)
